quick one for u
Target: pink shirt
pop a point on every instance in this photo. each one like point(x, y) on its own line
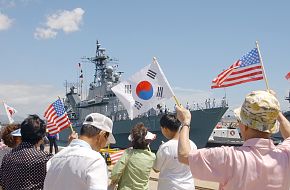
point(258, 164)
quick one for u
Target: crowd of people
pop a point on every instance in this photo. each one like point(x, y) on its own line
point(258, 164)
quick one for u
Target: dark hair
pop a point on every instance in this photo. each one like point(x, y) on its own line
point(138, 133)
point(89, 130)
point(171, 122)
point(32, 129)
point(6, 134)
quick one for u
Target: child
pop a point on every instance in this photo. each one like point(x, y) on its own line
point(173, 174)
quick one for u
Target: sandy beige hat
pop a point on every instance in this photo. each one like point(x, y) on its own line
point(259, 111)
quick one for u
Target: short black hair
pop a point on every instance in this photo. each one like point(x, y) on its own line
point(32, 129)
point(170, 122)
point(89, 130)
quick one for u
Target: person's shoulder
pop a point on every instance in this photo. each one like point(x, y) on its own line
point(90, 153)
point(167, 146)
point(78, 151)
point(285, 143)
point(223, 150)
point(149, 153)
point(193, 145)
point(169, 143)
point(152, 154)
point(42, 154)
point(163, 147)
point(6, 152)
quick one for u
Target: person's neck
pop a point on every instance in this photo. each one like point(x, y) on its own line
point(176, 136)
point(87, 140)
point(252, 133)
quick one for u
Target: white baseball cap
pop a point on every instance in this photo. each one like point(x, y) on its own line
point(149, 136)
point(101, 122)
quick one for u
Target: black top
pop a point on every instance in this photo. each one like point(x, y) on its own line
point(24, 168)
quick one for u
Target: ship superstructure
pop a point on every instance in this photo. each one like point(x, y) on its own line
point(102, 100)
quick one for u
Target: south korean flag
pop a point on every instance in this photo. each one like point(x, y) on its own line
point(144, 90)
point(10, 111)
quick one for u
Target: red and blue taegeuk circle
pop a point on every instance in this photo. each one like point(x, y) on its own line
point(144, 90)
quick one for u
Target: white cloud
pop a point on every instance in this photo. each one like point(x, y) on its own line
point(42, 33)
point(27, 98)
point(5, 22)
point(67, 21)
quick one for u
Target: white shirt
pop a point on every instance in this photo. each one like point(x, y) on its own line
point(173, 174)
point(76, 167)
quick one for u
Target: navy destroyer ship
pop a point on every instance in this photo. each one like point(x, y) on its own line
point(101, 99)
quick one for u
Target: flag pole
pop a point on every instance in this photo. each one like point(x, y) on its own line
point(155, 60)
point(177, 102)
point(72, 130)
point(264, 73)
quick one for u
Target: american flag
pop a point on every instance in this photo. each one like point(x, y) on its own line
point(116, 156)
point(246, 69)
point(57, 118)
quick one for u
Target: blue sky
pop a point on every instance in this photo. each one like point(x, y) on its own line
point(41, 43)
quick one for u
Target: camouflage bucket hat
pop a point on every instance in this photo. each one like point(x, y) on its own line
point(259, 111)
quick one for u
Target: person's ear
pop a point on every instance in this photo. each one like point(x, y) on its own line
point(103, 134)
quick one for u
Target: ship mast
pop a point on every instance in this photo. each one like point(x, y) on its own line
point(288, 98)
point(100, 61)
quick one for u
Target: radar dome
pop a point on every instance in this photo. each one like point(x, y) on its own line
point(109, 69)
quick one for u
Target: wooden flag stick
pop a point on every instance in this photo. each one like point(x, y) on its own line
point(155, 60)
point(71, 128)
point(264, 73)
point(177, 102)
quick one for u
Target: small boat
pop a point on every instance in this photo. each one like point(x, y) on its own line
point(226, 132)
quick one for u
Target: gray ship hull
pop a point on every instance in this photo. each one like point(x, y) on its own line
point(202, 124)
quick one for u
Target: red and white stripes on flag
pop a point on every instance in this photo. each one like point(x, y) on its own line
point(57, 118)
point(116, 156)
point(246, 69)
